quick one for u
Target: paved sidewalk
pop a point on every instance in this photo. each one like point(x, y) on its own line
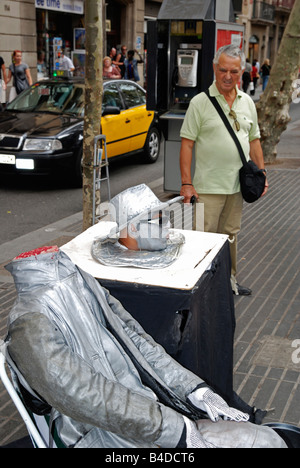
point(266, 365)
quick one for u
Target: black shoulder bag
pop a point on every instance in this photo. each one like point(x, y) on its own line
point(252, 179)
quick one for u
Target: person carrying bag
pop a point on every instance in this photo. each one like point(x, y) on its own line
point(252, 179)
point(215, 181)
point(20, 73)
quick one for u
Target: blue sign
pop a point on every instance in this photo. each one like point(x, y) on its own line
point(65, 6)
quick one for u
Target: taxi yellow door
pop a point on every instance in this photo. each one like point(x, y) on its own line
point(116, 128)
point(140, 118)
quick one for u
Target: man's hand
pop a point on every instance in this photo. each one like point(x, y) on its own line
point(188, 191)
point(206, 400)
point(256, 154)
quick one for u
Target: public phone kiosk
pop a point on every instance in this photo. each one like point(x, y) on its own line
point(181, 47)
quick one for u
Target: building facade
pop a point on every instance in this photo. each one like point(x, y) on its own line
point(264, 23)
point(18, 30)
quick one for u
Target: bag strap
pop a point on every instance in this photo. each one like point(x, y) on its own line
point(228, 126)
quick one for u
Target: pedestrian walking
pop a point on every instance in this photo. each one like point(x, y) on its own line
point(247, 76)
point(254, 77)
point(20, 73)
point(265, 71)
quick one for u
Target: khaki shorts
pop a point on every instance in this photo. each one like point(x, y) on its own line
point(223, 215)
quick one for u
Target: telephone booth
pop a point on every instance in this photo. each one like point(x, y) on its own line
point(181, 47)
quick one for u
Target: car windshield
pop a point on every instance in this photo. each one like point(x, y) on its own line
point(60, 98)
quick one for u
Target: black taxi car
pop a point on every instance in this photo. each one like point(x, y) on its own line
point(41, 130)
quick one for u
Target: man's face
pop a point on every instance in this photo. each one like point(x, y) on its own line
point(228, 73)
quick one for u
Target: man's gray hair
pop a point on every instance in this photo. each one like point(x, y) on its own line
point(231, 51)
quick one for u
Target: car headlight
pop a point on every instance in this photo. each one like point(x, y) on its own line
point(45, 144)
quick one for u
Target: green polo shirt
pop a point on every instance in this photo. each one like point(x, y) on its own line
point(217, 157)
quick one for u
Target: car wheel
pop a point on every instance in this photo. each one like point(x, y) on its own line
point(152, 146)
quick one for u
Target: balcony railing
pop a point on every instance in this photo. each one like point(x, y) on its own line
point(285, 4)
point(263, 11)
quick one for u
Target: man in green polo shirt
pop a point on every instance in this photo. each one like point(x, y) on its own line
point(216, 180)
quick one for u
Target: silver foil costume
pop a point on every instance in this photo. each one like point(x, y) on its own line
point(143, 216)
point(84, 354)
point(114, 254)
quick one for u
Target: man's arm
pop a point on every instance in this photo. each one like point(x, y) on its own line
point(9, 75)
point(28, 76)
point(256, 154)
point(186, 156)
point(140, 57)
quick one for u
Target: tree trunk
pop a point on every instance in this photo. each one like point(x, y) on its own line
point(274, 104)
point(93, 102)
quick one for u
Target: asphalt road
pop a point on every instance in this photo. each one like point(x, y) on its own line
point(29, 203)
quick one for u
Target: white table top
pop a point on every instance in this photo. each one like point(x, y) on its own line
point(197, 254)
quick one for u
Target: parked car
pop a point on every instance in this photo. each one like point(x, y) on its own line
point(41, 131)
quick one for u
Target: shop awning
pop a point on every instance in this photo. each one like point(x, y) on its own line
point(187, 10)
